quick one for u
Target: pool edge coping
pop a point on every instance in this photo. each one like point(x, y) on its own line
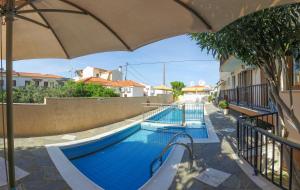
point(78, 181)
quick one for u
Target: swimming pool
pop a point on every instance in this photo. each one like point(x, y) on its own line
point(122, 160)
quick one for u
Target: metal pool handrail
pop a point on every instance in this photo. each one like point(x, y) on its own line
point(169, 145)
point(183, 133)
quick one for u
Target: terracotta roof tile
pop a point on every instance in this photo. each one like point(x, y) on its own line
point(38, 75)
point(119, 83)
point(35, 75)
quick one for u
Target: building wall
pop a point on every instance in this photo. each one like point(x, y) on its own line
point(93, 72)
point(294, 135)
point(137, 91)
point(132, 91)
point(88, 72)
point(116, 75)
point(158, 92)
point(149, 90)
point(20, 81)
point(67, 115)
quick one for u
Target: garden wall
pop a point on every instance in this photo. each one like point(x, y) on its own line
point(67, 115)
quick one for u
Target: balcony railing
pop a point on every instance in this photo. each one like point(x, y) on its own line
point(254, 96)
point(271, 156)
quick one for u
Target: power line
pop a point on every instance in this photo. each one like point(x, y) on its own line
point(141, 75)
point(171, 61)
point(136, 77)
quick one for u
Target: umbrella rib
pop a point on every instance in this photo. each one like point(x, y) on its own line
point(208, 26)
point(32, 21)
point(100, 21)
point(52, 11)
point(23, 5)
point(52, 30)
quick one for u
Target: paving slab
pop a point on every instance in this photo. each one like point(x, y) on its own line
point(213, 177)
point(220, 156)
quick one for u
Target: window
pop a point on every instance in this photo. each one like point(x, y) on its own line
point(37, 83)
point(1, 83)
point(233, 81)
point(128, 90)
point(27, 82)
point(51, 84)
point(294, 72)
point(245, 78)
point(46, 84)
point(97, 75)
point(15, 82)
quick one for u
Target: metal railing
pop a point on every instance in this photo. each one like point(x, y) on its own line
point(170, 144)
point(271, 156)
point(176, 114)
point(254, 96)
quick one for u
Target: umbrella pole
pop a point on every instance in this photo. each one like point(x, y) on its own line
point(9, 86)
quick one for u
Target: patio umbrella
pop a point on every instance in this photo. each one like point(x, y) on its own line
point(72, 28)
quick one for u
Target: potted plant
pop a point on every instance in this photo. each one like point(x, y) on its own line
point(223, 104)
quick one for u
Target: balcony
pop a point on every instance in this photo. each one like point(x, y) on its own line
point(255, 97)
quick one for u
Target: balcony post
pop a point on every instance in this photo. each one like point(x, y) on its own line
point(238, 135)
point(237, 96)
point(251, 96)
point(255, 152)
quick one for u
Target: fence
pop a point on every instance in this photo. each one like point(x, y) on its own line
point(271, 156)
point(254, 96)
point(177, 114)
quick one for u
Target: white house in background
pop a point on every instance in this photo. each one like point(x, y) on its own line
point(126, 88)
point(87, 72)
point(162, 89)
point(21, 79)
point(196, 93)
point(131, 89)
point(148, 90)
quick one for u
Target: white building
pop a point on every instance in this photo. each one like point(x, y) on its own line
point(21, 79)
point(87, 72)
point(195, 93)
point(162, 89)
point(132, 89)
point(149, 90)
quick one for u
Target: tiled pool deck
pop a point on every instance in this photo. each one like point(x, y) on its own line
point(32, 156)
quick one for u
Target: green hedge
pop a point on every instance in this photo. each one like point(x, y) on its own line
point(34, 94)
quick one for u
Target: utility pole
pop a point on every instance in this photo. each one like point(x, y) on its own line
point(126, 65)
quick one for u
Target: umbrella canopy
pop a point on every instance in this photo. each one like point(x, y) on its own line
point(72, 28)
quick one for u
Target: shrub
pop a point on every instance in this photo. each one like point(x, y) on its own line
point(211, 98)
point(223, 104)
point(36, 94)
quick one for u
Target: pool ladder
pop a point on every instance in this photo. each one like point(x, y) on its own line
point(171, 143)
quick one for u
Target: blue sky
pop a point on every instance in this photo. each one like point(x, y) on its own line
point(176, 51)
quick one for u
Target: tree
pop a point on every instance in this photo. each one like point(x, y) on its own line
point(177, 87)
point(265, 39)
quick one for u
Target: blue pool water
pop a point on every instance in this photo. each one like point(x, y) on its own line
point(175, 115)
point(122, 160)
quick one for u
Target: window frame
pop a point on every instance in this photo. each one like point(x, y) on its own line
point(291, 73)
